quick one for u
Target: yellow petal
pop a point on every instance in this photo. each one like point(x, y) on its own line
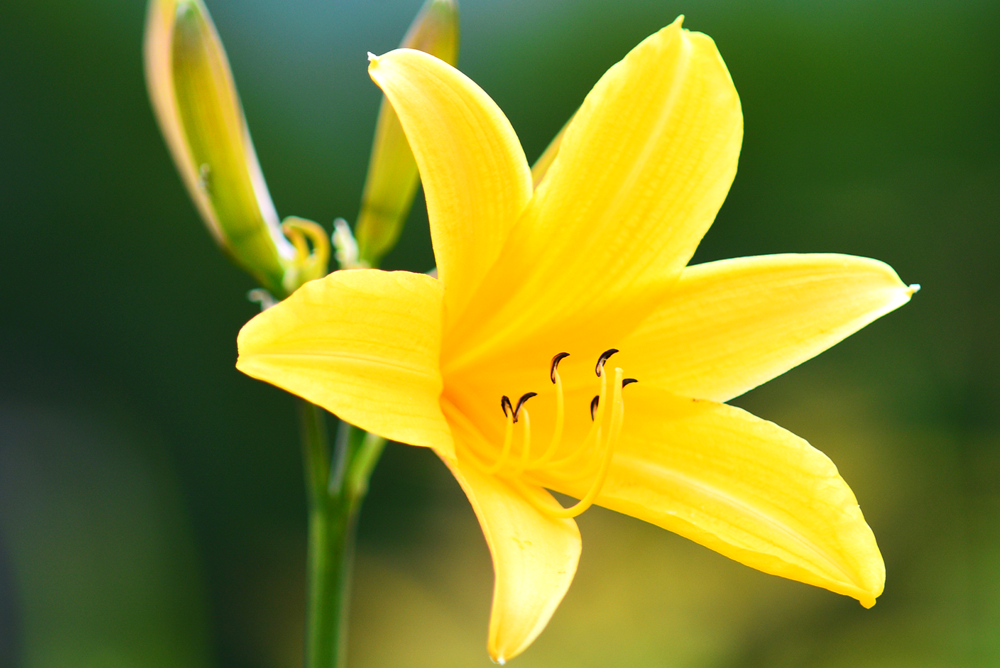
point(729, 326)
point(392, 172)
point(534, 555)
point(743, 487)
point(475, 177)
point(364, 345)
point(640, 174)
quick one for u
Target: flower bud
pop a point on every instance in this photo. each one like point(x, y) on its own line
point(199, 112)
point(392, 172)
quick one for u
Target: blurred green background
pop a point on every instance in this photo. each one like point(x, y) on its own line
point(151, 500)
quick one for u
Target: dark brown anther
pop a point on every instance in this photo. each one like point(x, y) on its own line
point(555, 363)
point(602, 359)
point(520, 402)
point(629, 381)
point(593, 406)
point(505, 404)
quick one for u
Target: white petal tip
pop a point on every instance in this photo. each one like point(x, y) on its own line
point(372, 58)
point(914, 288)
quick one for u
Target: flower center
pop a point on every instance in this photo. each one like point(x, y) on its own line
point(599, 442)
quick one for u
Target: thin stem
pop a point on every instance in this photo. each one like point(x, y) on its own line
point(315, 450)
point(336, 487)
point(321, 573)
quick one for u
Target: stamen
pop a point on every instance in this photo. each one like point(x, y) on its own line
point(520, 402)
point(602, 359)
point(617, 418)
point(557, 432)
point(505, 404)
point(508, 439)
point(598, 445)
point(555, 365)
point(511, 413)
point(526, 448)
point(592, 432)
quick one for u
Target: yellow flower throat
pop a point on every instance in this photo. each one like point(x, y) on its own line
point(600, 440)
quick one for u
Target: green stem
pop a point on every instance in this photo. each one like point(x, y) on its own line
point(336, 486)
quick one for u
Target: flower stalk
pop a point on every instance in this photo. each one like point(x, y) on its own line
point(336, 484)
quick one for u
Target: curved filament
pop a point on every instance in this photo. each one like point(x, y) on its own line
point(560, 421)
point(617, 418)
point(526, 447)
point(508, 439)
point(592, 432)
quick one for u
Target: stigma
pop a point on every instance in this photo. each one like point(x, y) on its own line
point(589, 459)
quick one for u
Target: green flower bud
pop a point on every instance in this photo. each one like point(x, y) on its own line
point(392, 172)
point(199, 112)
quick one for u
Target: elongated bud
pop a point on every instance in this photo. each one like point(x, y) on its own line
point(199, 112)
point(392, 172)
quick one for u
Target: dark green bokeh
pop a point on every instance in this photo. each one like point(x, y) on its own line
point(151, 497)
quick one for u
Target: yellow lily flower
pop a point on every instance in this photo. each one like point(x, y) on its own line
point(592, 260)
